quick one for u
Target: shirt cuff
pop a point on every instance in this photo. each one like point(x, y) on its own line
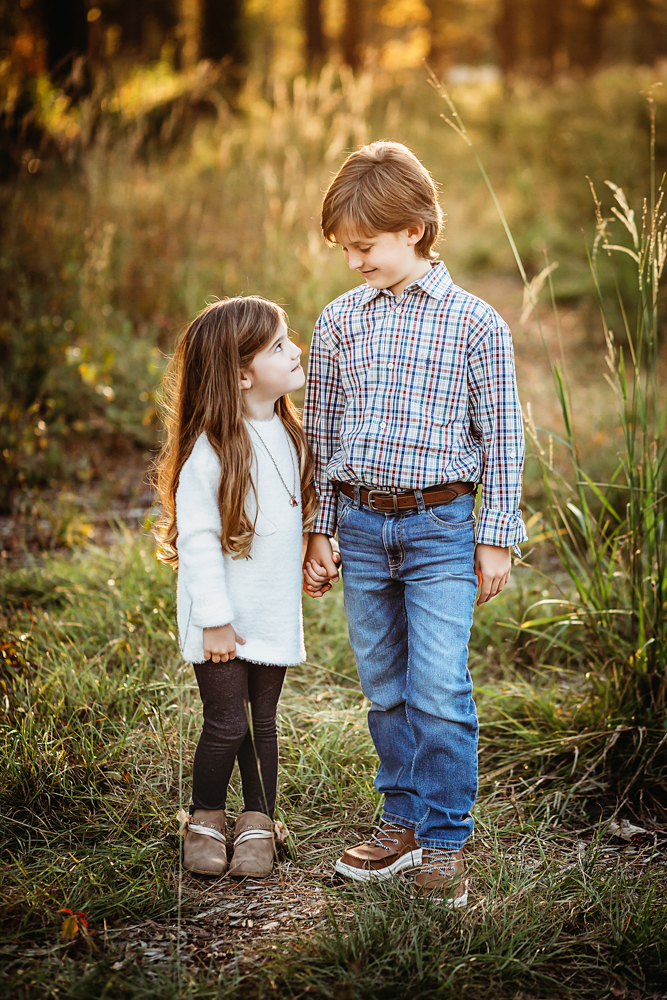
point(498, 527)
point(327, 517)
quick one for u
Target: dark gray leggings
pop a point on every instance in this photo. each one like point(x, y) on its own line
point(228, 692)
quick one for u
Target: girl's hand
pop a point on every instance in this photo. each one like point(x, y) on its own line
point(492, 566)
point(315, 579)
point(320, 565)
point(220, 643)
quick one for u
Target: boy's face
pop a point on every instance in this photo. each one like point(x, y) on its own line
point(386, 260)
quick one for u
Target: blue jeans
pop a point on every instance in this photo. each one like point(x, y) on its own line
point(410, 588)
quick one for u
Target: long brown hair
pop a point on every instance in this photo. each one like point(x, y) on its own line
point(202, 395)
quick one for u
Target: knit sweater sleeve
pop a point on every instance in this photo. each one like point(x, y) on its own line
point(200, 557)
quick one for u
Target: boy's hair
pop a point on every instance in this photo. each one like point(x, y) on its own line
point(383, 188)
point(202, 395)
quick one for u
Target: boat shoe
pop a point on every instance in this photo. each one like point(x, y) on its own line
point(441, 873)
point(255, 839)
point(388, 851)
point(205, 846)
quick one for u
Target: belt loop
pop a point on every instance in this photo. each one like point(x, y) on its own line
point(421, 506)
point(357, 497)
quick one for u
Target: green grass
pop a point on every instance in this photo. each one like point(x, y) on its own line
point(95, 696)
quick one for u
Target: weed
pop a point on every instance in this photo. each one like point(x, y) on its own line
point(98, 714)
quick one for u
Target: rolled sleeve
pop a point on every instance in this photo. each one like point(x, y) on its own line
point(498, 527)
point(327, 517)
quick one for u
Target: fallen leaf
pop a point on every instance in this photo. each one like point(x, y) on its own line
point(72, 923)
point(624, 829)
point(69, 929)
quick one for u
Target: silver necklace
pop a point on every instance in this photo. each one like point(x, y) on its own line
point(292, 495)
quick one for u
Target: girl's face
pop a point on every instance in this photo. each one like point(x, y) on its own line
point(274, 371)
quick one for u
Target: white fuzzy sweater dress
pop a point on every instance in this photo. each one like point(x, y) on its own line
point(259, 596)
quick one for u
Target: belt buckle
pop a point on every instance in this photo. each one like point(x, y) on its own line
point(384, 493)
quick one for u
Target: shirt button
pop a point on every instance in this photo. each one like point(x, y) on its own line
point(383, 425)
point(390, 365)
point(512, 453)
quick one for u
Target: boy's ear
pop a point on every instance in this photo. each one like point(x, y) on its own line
point(415, 233)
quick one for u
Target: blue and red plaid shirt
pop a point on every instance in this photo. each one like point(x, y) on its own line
point(417, 390)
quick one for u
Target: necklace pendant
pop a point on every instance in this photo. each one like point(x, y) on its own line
point(294, 502)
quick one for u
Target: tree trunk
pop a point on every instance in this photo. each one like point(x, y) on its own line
point(545, 32)
point(315, 43)
point(221, 36)
point(584, 46)
point(650, 41)
point(66, 29)
point(438, 55)
point(352, 40)
point(506, 32)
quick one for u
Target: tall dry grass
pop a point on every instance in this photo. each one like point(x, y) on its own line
point(609, 536)
point(155, 194)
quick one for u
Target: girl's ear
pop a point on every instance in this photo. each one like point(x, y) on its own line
point(245, 381)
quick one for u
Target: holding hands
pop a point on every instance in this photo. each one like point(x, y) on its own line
point(320, 565)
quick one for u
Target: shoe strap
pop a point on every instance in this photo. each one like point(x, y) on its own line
point(208, 831)
point(253, 835)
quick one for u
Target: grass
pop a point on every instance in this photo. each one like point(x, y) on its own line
point(144, 208)
point(95, 696)
point(101, 717)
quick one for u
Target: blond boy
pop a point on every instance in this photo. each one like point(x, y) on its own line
point(411, 404)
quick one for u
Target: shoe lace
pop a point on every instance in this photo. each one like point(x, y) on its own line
point(382, 837)
point(440, 860)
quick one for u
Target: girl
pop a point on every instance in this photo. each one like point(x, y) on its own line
point(235, 478)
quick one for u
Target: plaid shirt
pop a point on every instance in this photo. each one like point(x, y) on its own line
point(414, 391)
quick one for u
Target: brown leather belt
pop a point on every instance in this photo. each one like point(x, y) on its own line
point(383, 501)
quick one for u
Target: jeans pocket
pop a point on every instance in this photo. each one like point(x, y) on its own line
point(345, 505)
point(457, 514)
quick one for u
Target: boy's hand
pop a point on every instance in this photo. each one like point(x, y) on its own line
point(319, 565)
point(220, 643)
point(492, 566)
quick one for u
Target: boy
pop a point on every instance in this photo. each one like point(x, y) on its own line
point(411, 403)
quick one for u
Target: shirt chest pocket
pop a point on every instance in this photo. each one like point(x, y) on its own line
point(416, 373)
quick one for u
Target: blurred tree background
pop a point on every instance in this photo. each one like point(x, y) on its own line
point(75, 38)
point(157, 152)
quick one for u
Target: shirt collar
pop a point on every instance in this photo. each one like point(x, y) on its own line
point(436, 283)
